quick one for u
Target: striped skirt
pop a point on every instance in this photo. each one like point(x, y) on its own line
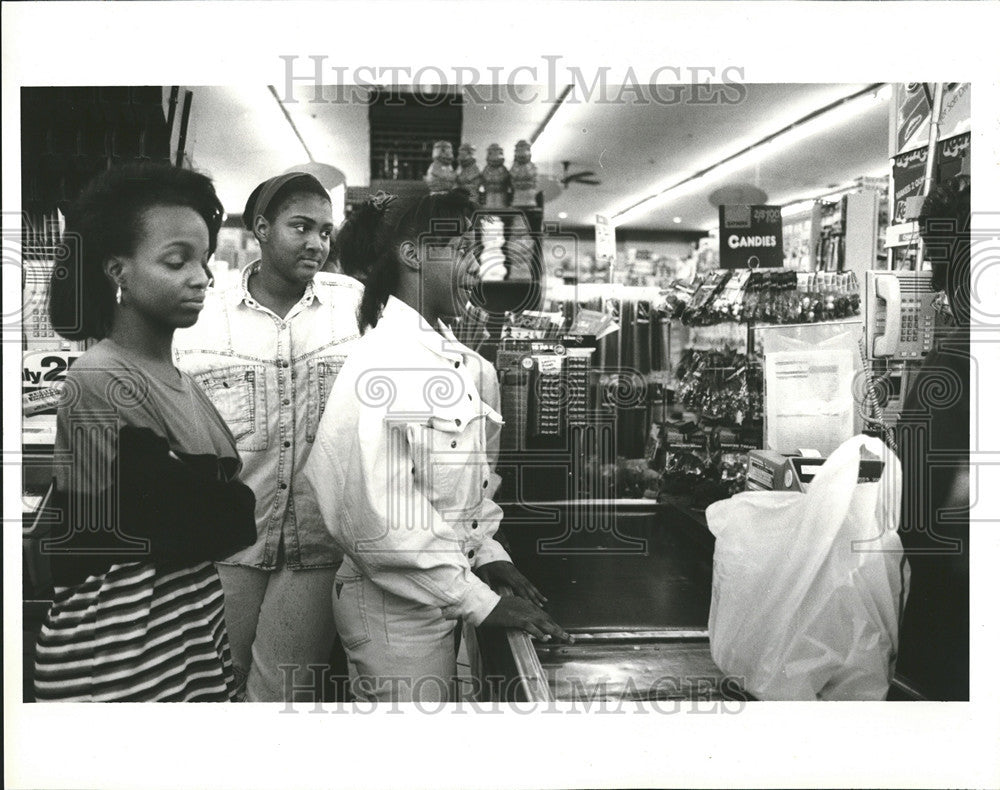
point(135, 634)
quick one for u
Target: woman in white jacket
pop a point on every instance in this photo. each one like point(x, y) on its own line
point(400, 464)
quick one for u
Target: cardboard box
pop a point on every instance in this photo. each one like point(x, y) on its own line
point(768, 470)
point(762, 466)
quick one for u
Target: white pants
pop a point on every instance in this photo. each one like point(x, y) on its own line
point(397, 649)
point(281, 630)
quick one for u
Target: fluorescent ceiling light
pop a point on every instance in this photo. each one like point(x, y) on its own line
point(797, 208)
point(828, 195)
point(545, 131)
point(802, 205)
point(819, 121)
point(833, 117)
point(289, 122)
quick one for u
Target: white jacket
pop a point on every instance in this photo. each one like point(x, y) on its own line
point(401, 465)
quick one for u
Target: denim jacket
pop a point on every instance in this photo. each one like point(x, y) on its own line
point(270, 377)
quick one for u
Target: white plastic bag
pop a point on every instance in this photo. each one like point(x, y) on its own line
point(808, 589)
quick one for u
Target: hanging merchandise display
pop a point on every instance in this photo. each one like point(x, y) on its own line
point(722, 386)
point(773, 297)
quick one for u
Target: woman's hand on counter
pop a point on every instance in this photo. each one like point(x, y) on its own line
point(502, 573)
point(513, 612)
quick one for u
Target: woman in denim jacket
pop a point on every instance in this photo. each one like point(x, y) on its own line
point(266, 351)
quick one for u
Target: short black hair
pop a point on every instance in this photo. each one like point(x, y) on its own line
point(356, 240)
point(370, 239)
point(304, 184)
point(105, 221)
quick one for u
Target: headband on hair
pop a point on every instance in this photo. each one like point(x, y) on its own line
point(271, 187)
point(380, 201)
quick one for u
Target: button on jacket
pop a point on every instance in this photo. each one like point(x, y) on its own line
point(270, 377)
point(402, 466)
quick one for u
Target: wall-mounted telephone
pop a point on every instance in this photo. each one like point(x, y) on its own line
point(899, 315)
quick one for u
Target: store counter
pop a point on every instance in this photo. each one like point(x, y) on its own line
point(628, 581)
point(632, 581)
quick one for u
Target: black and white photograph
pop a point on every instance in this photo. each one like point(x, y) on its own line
point(539, 395)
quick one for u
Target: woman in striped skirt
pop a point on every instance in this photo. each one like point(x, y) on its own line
point(145, 471)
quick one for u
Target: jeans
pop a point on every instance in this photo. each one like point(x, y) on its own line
point(279, 618)
point(397, 649)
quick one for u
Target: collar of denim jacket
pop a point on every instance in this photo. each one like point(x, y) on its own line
point(242, 293)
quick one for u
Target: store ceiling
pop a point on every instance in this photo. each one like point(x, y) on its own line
point(240, 136)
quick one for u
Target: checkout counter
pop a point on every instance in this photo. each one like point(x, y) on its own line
point(632, 581)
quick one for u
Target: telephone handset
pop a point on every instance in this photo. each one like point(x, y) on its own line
point(900, 314)
point(887, 288)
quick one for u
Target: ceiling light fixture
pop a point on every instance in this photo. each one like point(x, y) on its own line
point(677, 220)
point(798, 208)
point(291, 123)
point(802, 204)
point(563, 215)
point(547, 120)
point(807, 126)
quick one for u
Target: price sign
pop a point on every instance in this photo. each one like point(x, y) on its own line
point(45, 368)
point(604, 243)
point(750, 236)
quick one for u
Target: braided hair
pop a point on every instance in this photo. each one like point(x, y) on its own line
point(371, 237)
